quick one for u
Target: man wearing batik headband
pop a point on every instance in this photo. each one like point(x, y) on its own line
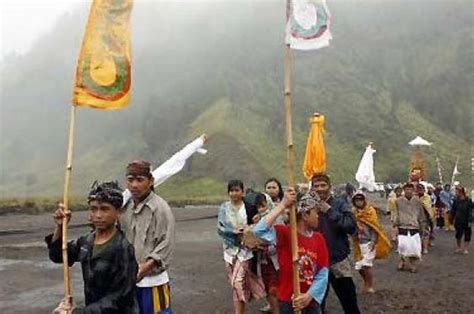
point(336, 223)
point(312, 251)
point(108, 264)
point(149, 225)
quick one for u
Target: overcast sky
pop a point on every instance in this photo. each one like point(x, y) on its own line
point(23, 21)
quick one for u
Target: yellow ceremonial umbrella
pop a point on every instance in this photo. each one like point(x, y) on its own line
point(315, 156)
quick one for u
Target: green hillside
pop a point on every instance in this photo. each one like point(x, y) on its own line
point(393, 71)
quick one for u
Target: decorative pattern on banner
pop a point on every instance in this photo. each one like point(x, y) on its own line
point(307, 26)
point(103, 74)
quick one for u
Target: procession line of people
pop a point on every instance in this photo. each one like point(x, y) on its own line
point(126, 256)
point(412, 213)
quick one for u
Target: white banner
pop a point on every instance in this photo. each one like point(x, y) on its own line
point(307, 26)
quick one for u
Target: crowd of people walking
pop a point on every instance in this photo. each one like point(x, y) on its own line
point(126, 257)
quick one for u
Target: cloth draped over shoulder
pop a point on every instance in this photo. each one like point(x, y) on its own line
point(428, 207)
point(368, 216)
point(315, 156)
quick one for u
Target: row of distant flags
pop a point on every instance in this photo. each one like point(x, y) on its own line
point(365, 175)
point(103, 75)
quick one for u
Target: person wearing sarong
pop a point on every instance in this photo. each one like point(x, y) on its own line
point(447, 199)
point(392, 198)
point(109, 269)
point(439, 206)
point(409, 220)
point(370, 243)
point(336, 223)
point(231, 225)
point(392, 203)
point(430, 192)
point(429, 214)
point(312, 255)
point(462, 216)
point(274, 190)
point(149, 225)
point(264, 262)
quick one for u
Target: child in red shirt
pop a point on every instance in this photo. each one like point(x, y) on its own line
point(312, 252)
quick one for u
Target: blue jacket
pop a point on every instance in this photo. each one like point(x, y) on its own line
point(336, 224)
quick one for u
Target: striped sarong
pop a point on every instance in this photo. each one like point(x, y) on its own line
point(154, 300)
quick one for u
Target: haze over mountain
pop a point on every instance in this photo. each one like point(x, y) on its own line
point(395, 69)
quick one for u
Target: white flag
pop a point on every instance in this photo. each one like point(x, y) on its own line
point(456, 171)
point(174, 164)
point(365, 173)
point(307, 26)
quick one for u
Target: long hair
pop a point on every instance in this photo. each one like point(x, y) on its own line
point(280, 189)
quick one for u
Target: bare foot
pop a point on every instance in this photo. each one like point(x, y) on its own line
point(400, 265)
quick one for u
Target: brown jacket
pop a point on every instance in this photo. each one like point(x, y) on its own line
point(409, 213)
point(150, 228)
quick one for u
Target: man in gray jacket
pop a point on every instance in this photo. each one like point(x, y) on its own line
point(149, 226)
point(409, 219)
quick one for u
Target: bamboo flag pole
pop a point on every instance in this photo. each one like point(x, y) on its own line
point(291, 171)
point(67, 180)
point(455, 171)
point(109, 21)
point(440, 173)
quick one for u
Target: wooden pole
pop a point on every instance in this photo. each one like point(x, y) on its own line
point(291, 171)
point(440, 173)
point(67, 180)
point(454, 171)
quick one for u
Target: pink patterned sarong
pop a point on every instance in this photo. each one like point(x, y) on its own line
point(246, 286)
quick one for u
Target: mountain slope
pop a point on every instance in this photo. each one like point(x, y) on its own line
point(388, 76)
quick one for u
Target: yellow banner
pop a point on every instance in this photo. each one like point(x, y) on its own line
point(103, 74)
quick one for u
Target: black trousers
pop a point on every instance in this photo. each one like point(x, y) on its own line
point(346, 293)
point(463, 229)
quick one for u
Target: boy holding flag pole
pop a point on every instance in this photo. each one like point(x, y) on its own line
point(307, 28)
point(103, 80)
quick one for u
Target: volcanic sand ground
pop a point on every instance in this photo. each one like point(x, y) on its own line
point(30, 283)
